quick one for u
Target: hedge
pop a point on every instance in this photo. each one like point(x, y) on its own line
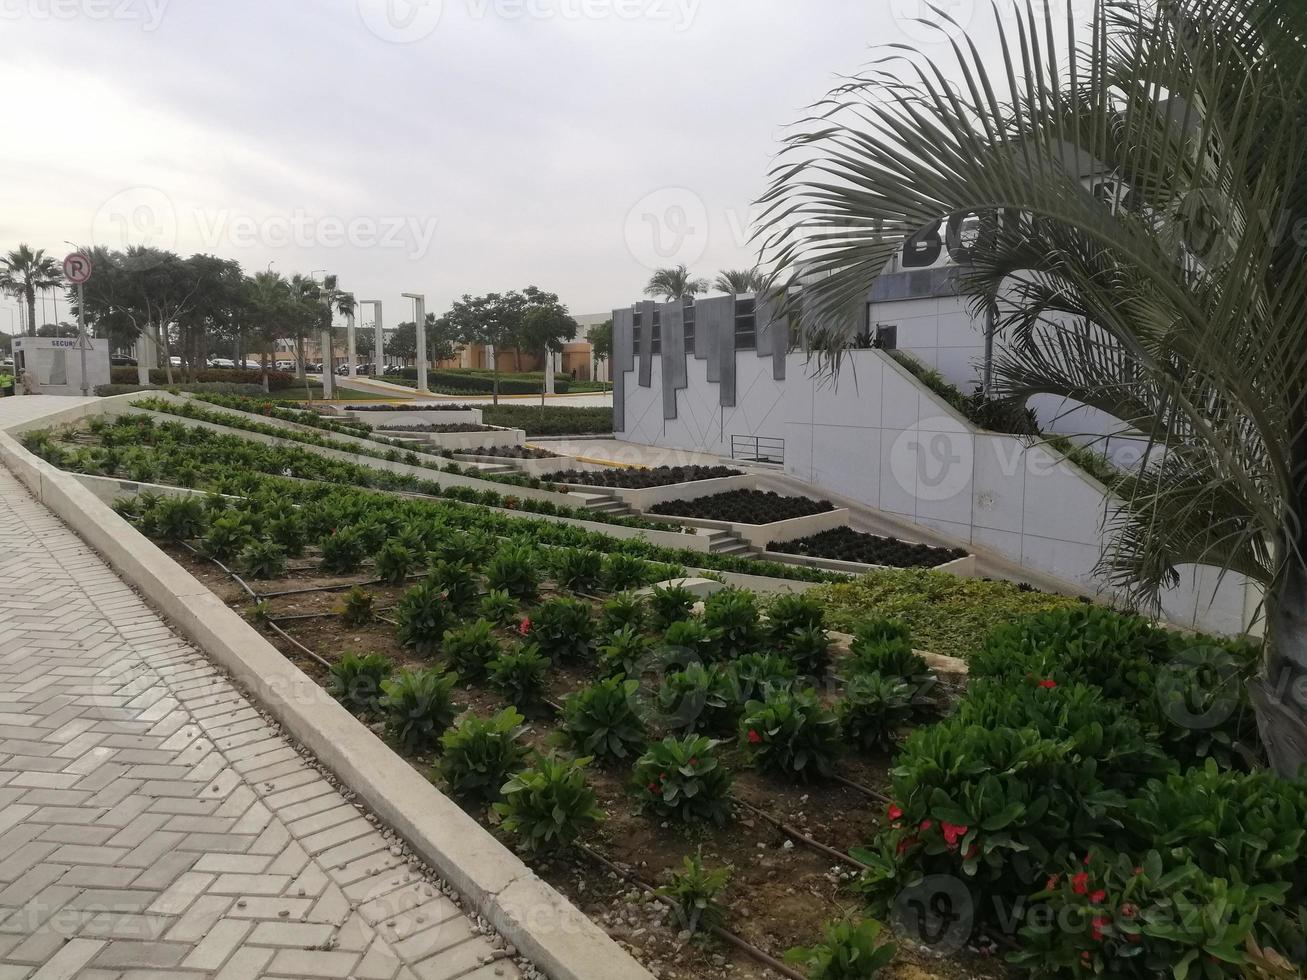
point(199, 387)
point(277, 380)
point(457, 381)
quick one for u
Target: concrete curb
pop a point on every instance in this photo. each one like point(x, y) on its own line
point(540, 922)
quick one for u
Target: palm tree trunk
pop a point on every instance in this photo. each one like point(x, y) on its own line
point(1280, 695)
point(31, 311)
point(161, 339)
point(263, 361)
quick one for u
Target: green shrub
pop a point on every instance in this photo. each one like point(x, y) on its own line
point(621, 572)
point(458, 582)
point(563, 629)
point(808, 648)
point(670, 604)
point(355, 681)
point(790, 734)
point(520, 674)
point(472, 548)
point(262, 560)
point(875, 711)
point(791, 612)
point(514, 571)
point(226, 536)
point(419, 707)
point(625, 652)
point(577, 570)
point(601, 720)
point(700, 698)
point(342, 551)
point(755, 673)
point(683, 777)
point(480, 754)
point(731, 617)
point(422, 617)
point(689, 638)
point(498, 607)
point(394, 562)
point(550, 804)
point(626, 609)
point(878, 651)
point(290, 532)
point(694, 892)
point(849, 952)
point(178, 518)
point(471, 647)
point(358, 607)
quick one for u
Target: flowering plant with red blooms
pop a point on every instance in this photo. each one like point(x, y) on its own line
point(524, 627)
point(683, 777)
point(1112, 916)
point(1048, 683)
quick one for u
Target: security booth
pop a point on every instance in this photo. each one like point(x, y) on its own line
point(57, 364)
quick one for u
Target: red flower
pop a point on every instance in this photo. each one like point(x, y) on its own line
point(694, 762)
point(1098, 924)
point(1098, 896)
point(1080, 883)
point(972, 851)
point(524, 627)
point(1138, 871)
point(653, 787)
point(1052, 882)
point(926, 824)
point(905, 843)
point(952, 833)
point(1087, 857)
point(1048, 683)
point(1084, 955)
point(754, 737)
point(894, 812)
point(1129, 911)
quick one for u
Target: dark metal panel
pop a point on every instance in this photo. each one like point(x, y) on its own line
point(645, 353)
point(622, 356)
point(773, 335)
point(673, 357)
point(725, 330)
point(713, 316)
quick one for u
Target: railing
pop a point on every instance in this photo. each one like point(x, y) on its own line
point(758, 449)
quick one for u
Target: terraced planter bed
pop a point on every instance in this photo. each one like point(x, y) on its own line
point(641, 479)
point(437, 427)
point(433, 407)
point(515, 452)
point(846, 544)
point(744, 507)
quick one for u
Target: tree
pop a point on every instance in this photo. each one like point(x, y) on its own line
point(739, 281)
point(601, 340)
point(675, 283)
point(269, 309)
point(1163, 289)
point(546, 328)
point(496, 320)
point(24, 271)
point(440, 341)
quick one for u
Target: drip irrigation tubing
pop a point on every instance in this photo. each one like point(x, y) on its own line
point(801, 837)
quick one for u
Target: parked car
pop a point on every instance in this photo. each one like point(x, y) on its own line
point(221, 362)
point(122, 361)
point(285, 365)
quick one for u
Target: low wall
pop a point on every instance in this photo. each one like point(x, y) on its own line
point(646, 498)
point(433, 417)
point(462, 441)
point(541, 467)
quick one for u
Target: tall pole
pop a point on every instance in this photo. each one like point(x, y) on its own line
point(379, 346)
point(420, 334)
point(351, 359)
point(82, 341)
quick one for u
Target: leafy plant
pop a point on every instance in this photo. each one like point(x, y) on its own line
point(623, 610)
point(419, 707)
point(471, 647)
point(731, 617)
point(563, 629)
point(670, 604)
point(689, 638)
point(875, 711)
point(513, 570)
point(498, 607)
point(479, 754)
point(850, 952)
point(694, 891)
point(262, 560)
point(394, 562)
point(700, 698)
point(601, 720)
point(520, 674)
point(178, 518)
point(624, 652)
point(550, 804)
point(683, 777)
point(342, 551)
point(890, 654)
point(358, 607)
point(577, 570)
point(290, 532)
point(226, 536)
point(789, 733)
point(755, 673)
point(793, 611)
point(355, 681)
point(808, 648)
point(457, 581)
point(621, 571)
point(422, 617)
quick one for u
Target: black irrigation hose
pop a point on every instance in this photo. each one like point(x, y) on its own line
point(323, 588)
point(738, 942)
point(801, 837)
point(867, 791)
point(290, 639)
point(236, 578)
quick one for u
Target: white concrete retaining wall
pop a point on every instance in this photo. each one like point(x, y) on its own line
point(646, 498)
point(461, 441)
point(432, 417)
point(877, 436)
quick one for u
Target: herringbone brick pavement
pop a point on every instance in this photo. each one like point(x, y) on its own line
point(152, 823)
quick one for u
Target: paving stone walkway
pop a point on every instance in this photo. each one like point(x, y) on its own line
point(153, 824)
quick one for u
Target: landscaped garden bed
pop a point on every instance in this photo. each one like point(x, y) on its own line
point(639, 478)
point(846, 544)
point(744, 507)
point(437, 427)
point(532, 419)
point(516, 452)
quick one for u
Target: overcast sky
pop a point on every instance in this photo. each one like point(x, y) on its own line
point(444, 148)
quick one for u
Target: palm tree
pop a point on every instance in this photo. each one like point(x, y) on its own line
point(738, 281)
point(268, 304)
point(675, 283)
point(306, 312)
point(1133, 183)
point(23, 272)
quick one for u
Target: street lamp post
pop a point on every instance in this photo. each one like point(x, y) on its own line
point(420, 334)
point(379, 346)
point(351, 358)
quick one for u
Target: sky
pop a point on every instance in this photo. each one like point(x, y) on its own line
point(440, 147)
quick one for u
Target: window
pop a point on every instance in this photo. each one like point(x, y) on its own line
point(635, 332)
point(746, 324)
point(887, 336)
point(688, 314)
point(656, 341)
